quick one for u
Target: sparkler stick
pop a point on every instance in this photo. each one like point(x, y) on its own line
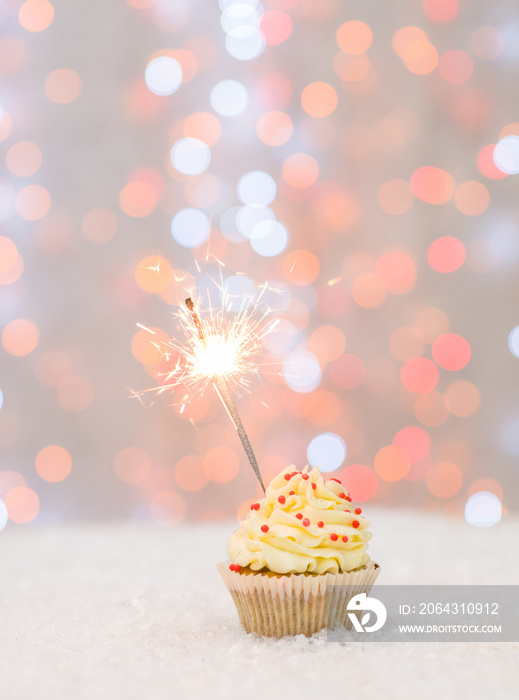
point(227, 400)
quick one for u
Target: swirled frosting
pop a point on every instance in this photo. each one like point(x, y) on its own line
point(304, 524)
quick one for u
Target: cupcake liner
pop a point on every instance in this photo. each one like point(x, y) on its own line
point(276, 605)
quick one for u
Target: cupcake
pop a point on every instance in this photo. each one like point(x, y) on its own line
point(303, 536)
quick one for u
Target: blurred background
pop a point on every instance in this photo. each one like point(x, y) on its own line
point(358, 158)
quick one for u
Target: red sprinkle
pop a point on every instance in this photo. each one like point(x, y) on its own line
point(337, 480)
point(344, 538)
point(288, 477)
point(281, 499)
point(291, 493)
point(234, 567)
point(305, 477)
point(306, 522)
point(348, 498)
point(342, 494)
point(320, 523)
point(255, 506)
point(299, 516)
point(355, 523)
point(334, 537)
point(294, 473)
point(264, 528)
point(314, 486)
point(358, 511)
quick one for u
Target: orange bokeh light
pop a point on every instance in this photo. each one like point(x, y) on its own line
point(354, 37)
point(440, 10)
point(319, 99)
point(419, 375)
point(348, 371)
point(432, 185)
point(471, 198)
point(300, 171)
point(22, 504)
point(397, 271)
point(274, 128)
point(486, 164)
point(221, 464)
point(301, 267)
point(276, 27)
point(338, 208)
point(36, 15)
point(451, 352)
point(392, 463)
point(446, 254)
point(99, 225)
point(351, 69)
point(415, 440)
point(149, 348)
point(53, 463)
point(62, 86)
point(189, 473)
point(444, 480)
point(406, 342)
point(486, 484)
point(456, 67)
point(462, 399)
point(395, 197)
point(23, 158)
point(138, 198)
point(420, 57)
point(360, 481)
point(131, 465)
point(405, 36)
point(327, 343)
point(203, 126)
point(20, 337)
point(368, 290)
point(8, 254)
point(431, 323)
point(153, 274)
point(33, 202)
point(322, 408)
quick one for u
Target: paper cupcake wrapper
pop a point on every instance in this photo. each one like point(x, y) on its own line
point(289, 604)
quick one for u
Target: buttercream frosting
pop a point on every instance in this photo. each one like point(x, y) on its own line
point(304, 524)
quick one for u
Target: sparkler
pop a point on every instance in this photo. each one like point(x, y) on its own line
point(221, 348)
point(217, 351)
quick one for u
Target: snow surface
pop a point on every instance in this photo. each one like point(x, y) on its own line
point(139, 612)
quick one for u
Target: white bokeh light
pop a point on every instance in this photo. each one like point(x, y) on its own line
point(326, 451)
point(1, 399)
point(4, 515)
point(483, 509)
point(239, 14)
point(229, 98)
point(190, 227)
point(510, 436)
point(163, 75)
point(245, 42)
point(239, 292)
point(513, 341)
point(248, 217)
point(228, 225)
point(190, 156)
point(301, 371)
point(283, 340)
point(269, 238)
point(506, 155)
point(256, 188)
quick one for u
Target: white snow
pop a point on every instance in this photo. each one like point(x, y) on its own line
point(139, 612)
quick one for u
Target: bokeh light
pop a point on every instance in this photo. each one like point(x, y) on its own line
point(462, 398)
point(275, 128)
point(99, 225)
point(190, 156)
point(20, 337)
point(62, 86)
point(415, 441)
point(444, 479)
point(319, 99)
point(326, 451)
point(446, 254)
point(131, 465)
point(163, 75)
point(53, 463)
point(432, 185)
point(190, 227)
point(392, 463)
point(506, 154)
point(221, 464)
point(22, 504)
point(301, 371)
point(419, 375)
point(76, 393)
point(483, 509)
point(36, 15)
point(229, 98)
point(354, 37)
point(23, 158)
point(256, 188)
point(360, 481)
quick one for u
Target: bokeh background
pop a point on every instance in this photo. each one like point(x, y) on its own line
point(359, 158)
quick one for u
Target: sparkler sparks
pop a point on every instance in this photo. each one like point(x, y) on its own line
point(219, 350)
